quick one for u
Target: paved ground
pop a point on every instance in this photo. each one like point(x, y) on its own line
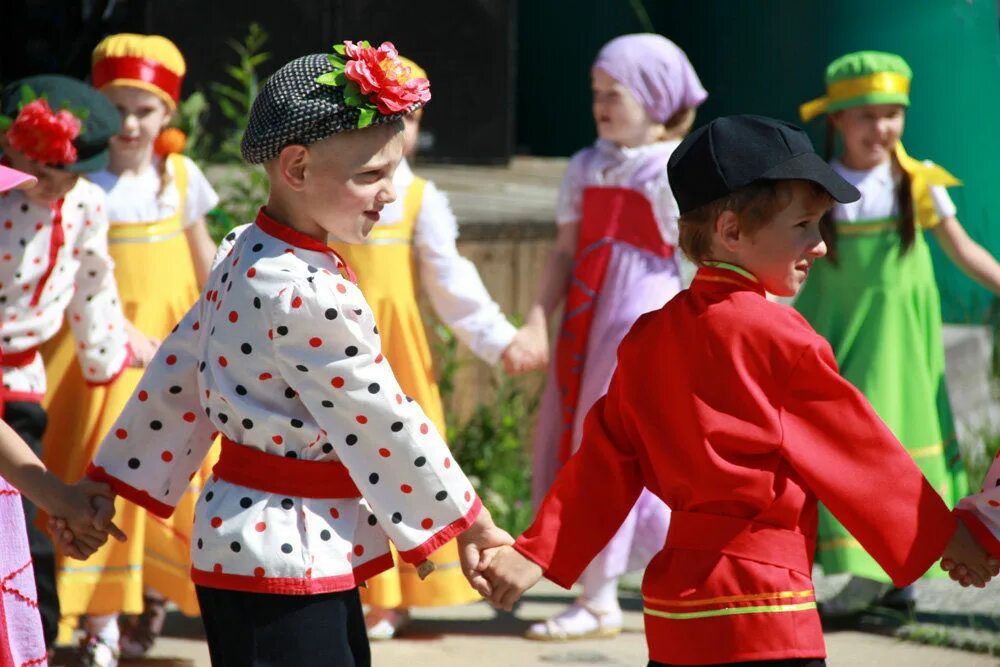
point(476, 635)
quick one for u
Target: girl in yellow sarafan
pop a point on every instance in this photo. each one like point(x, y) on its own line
point(157, 200)
point(413, 245)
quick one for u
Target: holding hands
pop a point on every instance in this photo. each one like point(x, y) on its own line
point(509, 575)
point(966, 561)
point(529, 349)
point(81, 519)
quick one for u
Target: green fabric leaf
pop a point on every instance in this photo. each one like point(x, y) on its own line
point(355, 100)
point(5, 123)
point(327, 79)
point(340, 78)
point(366, 117)
point(27, 95)
point(351, 89)
point(340, 49)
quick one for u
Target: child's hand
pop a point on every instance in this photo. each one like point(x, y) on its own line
point(528, 350)
point(481, 535)
point(143, 347)
point(81, 518)
point(510, 574)
point(966, 561)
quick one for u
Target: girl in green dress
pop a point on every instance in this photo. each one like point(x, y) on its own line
point(874, 297)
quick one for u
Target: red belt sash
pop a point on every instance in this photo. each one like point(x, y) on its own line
point(254, 469)
point(13, 360)
point(609, 215)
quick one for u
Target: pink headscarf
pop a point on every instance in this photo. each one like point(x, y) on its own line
point(655, 70)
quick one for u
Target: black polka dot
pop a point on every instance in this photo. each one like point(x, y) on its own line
point(231, 236)
point(257, 247)
point(133, 463)
point(331, 313)
point(357, 311)
point(327, 404)
point(176, 389)
point(441, 495)
point(286, 548)
point(373, 388)
point(289, 392)
point(296, 423)
point(241, 390)
point(324, 535)
point(397, 517)
point(291, 455)
point(225, 277)
point(256, 302)
point(245, 502)
point(351, 351)
point(375, 330)
point(301, 368)
point(209, 496)
point(246, 348)
point(287, 503)
point(282, 330)
point(247, 423)
point(200, 543)
point(351, 439)
point(201, 366)
point(396, 427)
point(373, 478)
point(223, 417)
point(419, 461)
point(156, 424)
point(327, 448)
point(235, 546)
point(372, 520)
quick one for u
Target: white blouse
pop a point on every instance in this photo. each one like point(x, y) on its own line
point(55, 261)
point(281, 355)
point(878, 194)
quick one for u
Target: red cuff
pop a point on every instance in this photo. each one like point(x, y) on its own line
point(125, 365)
point(979, 531)
point(439, 539)
point(520, 545)
point(130, 493)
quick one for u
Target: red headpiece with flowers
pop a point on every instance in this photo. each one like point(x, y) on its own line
point(374, 79)
point(41, 134)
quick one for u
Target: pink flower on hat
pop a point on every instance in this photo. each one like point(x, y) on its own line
point(374, 78)
point(43, 135)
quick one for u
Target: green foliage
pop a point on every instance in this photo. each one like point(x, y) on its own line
point(235, 97)
point(489, 445)
point(190, 119)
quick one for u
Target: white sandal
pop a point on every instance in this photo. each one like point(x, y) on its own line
point(554, 630)
point(387, 622)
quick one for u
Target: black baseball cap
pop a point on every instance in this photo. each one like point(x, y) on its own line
point(732, 152)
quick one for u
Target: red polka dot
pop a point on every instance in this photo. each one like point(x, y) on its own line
point(8, 224)
point(216, 522)
point(143, 395)
point(406, 488)
point(447, 463)
point(167, 456)
point(426, 524)
point(993, 503)
point(399, 398)
point(264, 377)
point(260, 527)
point(270, 334)
point(296, 302)
point(277, 439)
point(121, 434)
point(189, 417)
point(337, 382)
point(424, 429)
point(334, 513)
point(341, 288)
point(251, 272)
point(379, 358)
point(361, 419)
point(359, 550)
point(223, 362)
point(171, 359)
point(468, 496)
point(258, 572)
point(217, 568)
point(315, 342)
point(233, 316)
point(384, 453)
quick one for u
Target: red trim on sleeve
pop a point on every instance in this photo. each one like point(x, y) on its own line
point(125, 366)
point(55, 243)
point(293, 585)
point(983, 535)
point(419, 554)
point(18, 396)
point(130, 493)
point(554, 578)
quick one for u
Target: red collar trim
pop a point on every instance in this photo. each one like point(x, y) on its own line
point(720, 274)
point(283, 232)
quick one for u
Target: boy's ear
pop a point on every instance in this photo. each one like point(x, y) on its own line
point(292, 163)
point(727, 230)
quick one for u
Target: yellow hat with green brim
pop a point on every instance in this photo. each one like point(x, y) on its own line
point(859, 78)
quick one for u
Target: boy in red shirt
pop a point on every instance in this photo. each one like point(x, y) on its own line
point(759, 425)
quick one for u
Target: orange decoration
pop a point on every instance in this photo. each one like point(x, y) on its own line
point(171, 140)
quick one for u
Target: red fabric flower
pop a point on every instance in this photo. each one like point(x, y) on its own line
point(383, 78)
point(43, 135)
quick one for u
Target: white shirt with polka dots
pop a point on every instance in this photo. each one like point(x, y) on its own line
point(281, 354)
point(55, 261)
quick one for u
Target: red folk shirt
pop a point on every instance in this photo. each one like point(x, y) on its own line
point(731, 409)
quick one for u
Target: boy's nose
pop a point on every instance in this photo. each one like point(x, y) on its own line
point(819, 249)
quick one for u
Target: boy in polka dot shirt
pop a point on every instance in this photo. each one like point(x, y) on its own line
point(324, 459)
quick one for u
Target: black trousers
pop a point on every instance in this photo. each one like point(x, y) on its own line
point(793, 662)
point(267, 630)
point(29, 421)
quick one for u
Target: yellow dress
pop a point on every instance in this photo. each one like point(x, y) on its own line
point(157, 284)
point(386, 275)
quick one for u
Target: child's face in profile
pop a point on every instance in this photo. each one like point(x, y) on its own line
point(619, 117)
point(349, 179)
point(870, 133)
point(781, 253)
point(144, 115)
point(53, 184)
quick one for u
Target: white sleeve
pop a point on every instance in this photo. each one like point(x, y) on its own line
point(943, 204)
point(569, 203)
point(453, 284)
point(665, 208)
point(201, 197)
point(327, 352)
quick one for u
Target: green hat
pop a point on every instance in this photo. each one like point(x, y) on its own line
point(59, 122)
point(862, 77)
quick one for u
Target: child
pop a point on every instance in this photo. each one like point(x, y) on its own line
point(874, 298)
point(747, 424)
point(322, 453)
point(54, 261)
point(614, 260)
point(162, 253)
point(416, 237)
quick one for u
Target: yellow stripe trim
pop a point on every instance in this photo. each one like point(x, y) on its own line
point(872, 228)
point(732, 611)
point(144, 231)
point(780, 595)
point(930, 450)
point(720, 279)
